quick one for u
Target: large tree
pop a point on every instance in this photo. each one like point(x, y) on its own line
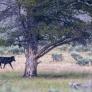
point(33, 22)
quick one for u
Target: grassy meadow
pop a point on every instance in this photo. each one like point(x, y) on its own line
point(52, 76)
point(45, 82)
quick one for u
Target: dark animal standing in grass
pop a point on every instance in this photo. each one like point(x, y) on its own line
point(6, 60)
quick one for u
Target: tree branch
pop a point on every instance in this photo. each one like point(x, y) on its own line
point(50, 46)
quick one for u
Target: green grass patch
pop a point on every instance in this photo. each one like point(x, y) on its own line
point(65, 75)
point(45, 82)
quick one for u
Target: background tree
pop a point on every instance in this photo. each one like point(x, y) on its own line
point(36, 21)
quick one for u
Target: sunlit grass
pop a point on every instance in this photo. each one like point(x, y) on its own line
point(45, 82)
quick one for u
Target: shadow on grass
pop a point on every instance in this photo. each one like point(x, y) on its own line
point(65, 75)
point(48, 75)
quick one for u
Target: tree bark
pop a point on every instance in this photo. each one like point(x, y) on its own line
point(31, 64)
point(31, 47)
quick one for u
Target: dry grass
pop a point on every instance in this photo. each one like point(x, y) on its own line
point(67, 65)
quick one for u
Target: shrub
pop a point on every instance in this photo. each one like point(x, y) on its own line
point(11, 50)
point(57, 57)
point(15, 50)
point(79, 48)
point(81, 60)
point(2, 42)
point(3, 50)
point(76, 56)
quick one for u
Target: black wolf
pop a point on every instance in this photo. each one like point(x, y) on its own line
point(6, 60)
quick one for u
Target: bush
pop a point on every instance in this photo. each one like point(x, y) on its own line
point(76, 56)
point(1, 51)
point(15, 50)
point(57, 57)
point(79, 48)
point(11, 50)
point(81, 60)
point(2, 42)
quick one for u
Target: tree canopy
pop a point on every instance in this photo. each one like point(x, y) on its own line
point(52, 19)
point(32, 22)
point(49, 20)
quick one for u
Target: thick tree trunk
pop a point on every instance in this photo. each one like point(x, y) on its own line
point(31, 44)
point(31, 64)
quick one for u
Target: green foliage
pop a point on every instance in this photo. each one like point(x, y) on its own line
point(50, 20)
point(81, 60)
point(11, 50)
point(3, 30)
point(86, 5)
point(80, 48)
point(55, 19)
point(52, 32)
point(2, 42)
point(27, 3)
point(2, 50)
point(15, 50)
